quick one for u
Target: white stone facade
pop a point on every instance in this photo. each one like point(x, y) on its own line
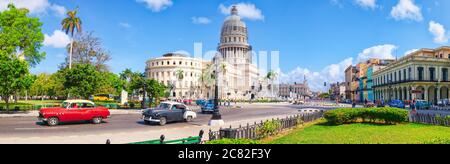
point(238, 78)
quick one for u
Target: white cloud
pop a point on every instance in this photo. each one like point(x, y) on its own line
point(124, 25)
point(410, 51)
point(35, 6)
point(407, 10)
point(157, 5)
point(367, 3)
point(335, 72)
point(438, 32)
point(200, 20)
point(58, 39)
point(330, 74)
point(245, 10)
point(380, 51)
point(59, 10)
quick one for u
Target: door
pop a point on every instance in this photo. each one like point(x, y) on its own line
point(72, 113)
point(177, 112)
point(87, 111)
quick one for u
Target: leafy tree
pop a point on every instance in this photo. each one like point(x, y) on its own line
point(21, 38)
point(11, 70)
point(110, 83)
point(127, 76)
point(42, 85)
point(69, 24)
point(154, 89)
point(82, 80)
point(88, 49)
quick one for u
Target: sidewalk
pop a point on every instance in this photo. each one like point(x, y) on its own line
point(123, 138)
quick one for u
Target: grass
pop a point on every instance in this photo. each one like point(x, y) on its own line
point(407, 133)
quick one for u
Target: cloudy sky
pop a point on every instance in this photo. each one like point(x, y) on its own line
point(316, 38)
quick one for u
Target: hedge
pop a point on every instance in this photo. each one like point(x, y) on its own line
point(233, 142)
point(386, 115)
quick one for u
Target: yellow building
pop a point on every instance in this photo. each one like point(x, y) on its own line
point(423, 75)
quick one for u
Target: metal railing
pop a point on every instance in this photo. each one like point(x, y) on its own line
point(250, 131)
point(431, 119)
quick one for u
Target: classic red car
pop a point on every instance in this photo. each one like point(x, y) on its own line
point(74, 111)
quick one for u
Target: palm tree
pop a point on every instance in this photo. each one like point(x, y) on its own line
point(271, 76)
point(69, 24)
point(180, 76)
point(207, 77)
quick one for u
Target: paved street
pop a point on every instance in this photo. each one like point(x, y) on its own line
point(128, 123)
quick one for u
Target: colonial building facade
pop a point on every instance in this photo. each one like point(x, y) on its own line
point(295, 91)
point(237, 76)
point(422, 75)
point(165, 69)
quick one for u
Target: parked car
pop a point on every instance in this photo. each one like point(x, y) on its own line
point(74, 111)
point(200, 102)
point(187, 101)
point(369, 104)
point(208, 107)
point(443, 102)
point(422, 104)
point(397, 104)
point(168, 112)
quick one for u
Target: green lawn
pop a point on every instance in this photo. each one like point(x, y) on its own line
point(367, 134)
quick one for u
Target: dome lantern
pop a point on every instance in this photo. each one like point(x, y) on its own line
point(234, 10)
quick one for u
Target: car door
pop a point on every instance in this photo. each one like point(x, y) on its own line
point(177, 112)
point(72, 113)
point(86, 111)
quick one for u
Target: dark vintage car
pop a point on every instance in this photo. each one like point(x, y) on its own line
point(168, 112)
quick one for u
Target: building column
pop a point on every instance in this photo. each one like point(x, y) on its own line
point(426, 94)
point(438, 93)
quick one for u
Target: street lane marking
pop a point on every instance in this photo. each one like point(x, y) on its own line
point(54, 128)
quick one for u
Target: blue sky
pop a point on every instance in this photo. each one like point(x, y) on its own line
point(316, 38)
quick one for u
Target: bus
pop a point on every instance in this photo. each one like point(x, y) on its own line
point(103, 97)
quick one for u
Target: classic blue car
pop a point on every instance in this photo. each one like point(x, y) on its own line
point(208, 107)
point(422, 104)
point(200, 102)
point(397, 104)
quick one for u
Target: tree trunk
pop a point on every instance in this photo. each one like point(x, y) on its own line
point(70, 54)
point(7, 103)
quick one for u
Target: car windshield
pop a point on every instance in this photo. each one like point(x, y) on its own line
point(163, 106)
point(65, 104)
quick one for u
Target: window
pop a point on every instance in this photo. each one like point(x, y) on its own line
point(409, 73)
point(404, 74)
point(420, 72)
point(444, 74)
point(432, 74)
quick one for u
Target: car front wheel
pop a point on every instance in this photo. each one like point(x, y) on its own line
point(53, 121)
point(189, 119)
point(162, 121)
point(97, 120)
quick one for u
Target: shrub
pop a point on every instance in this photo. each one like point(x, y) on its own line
point(268, 128)
point(352, 115)
point(438, 141)
point(234, 142)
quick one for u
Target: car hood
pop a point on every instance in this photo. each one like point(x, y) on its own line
point(153, 111)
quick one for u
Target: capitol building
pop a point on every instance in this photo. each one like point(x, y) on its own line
point(232, 68)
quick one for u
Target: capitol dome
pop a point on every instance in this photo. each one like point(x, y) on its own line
point(233, 25)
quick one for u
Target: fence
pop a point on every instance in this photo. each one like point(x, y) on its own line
point(251, 131)
point(443, 120)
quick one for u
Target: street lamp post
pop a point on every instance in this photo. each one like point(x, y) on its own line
point(216, 119)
